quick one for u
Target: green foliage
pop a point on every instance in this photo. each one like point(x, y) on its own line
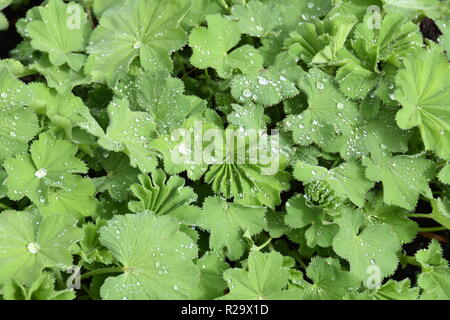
point(224, 149)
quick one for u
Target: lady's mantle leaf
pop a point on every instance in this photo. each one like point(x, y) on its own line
point(329, 281)
point(265, 279)
point(211, 46)
point(441, 211)
point(147, 29)
point(77, 198)
point(403, 178)
point(377, 212)
point(13, 93)
point(31, 242)
point(328, 114)
point(119, 175)
point(130, 132)
point(49, 163)
point(17, 128)
point(366, 246)
point(156, 258)
point(268, 86)
point(424, 93)
point(347, 180)
point(435, 276)
point(62, 32)
point(319, 232)
point(253, 18)
point(212, 285)
point(444, 174)
point(162, 196)
point(228, 221)
point(43, 288)
point(65, 111)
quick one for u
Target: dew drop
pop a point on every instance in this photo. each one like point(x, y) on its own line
point(247, 93)
point(41, 173)
point(33, 247)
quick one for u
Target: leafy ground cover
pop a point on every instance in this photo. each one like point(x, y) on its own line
point(94, 206)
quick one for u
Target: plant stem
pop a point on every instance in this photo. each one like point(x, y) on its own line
point(59, 279)
point(102, 271)
point(298, 259)
point(411, 260)
point(4, 206)
point(434, 229)
point(259, 248)
point(224, 4)
point(86, 289)
point(420, 215)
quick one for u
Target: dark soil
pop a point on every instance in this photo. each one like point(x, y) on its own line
point(429, 29)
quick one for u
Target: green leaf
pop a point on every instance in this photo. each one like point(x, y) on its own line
point(212, 285)
point(347, 180)
point(77, 199)
point(62, 31)
point(30, 242)
point(91, 249)
point(211, 45)
point(375, 136)
point(411, 8)
point(395, 38)
point(247, 59)
point(424, 93)
point(227, 222)
point(50, 162)
point(444, 174)
point(63, 79)
point(264, 279)
point(165, 196)
point(176, 145)
point(41, 289)
point(441, 211)
point(319, 231)
point(329, 282)
point(249, 116)
point(130, 132)
point(154, 92)
point(4, 24)
point(322, 42)
point(434, 279)
point(328, 114)
point(392, 290)
point(65, 111)
point(145, 29)
point(248, 184)
point(119, 175)
point(366, 246)
point(377, 212)
point(17, 128)
point(444, 40)
point(355, 81)
point(13, 93)
point(252, 18)
point(404, 178)
point(156, 258)
point(268, 86)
